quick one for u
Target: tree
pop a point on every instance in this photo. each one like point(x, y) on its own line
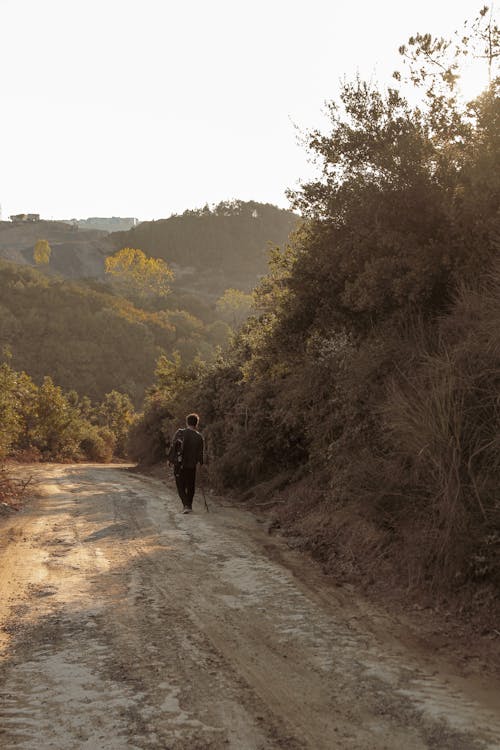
point(42, 252)
point(57, 426)
point(169, 376)
point(116, 412)
point(136, 275)
point(434, 62)
point(234, 306)
point(10, 422)
point(405, 204)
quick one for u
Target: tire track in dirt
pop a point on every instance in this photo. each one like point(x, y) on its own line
point(133, 626)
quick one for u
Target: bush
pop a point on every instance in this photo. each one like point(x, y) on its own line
point(146, 440)
point(443, 430)
point(98, 444)
point(393, 425)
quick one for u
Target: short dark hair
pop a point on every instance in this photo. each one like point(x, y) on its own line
point(192, 420)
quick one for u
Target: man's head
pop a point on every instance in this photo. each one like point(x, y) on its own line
point(192, 420)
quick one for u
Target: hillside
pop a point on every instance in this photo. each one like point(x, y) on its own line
point(363, 393)
point(62, 320)
point(85, 337)
point(76, 253)
point(211, 250)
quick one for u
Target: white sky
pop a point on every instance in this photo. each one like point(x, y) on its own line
point(148, 107)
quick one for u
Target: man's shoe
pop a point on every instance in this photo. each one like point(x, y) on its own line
point(187, 510)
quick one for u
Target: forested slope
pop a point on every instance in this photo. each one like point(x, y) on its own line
point(85, 337)
point(211, 249)
point(364, 393)
point(214, 249)
point(74, 351)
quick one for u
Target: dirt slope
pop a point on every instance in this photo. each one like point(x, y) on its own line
point(76, 253)
point(125, 624)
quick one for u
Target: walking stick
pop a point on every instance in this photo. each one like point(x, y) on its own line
point(202, 483)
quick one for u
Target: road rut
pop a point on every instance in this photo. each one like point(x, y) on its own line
point(125, 624)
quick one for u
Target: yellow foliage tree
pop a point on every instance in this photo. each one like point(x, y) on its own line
point(41, 252)
point(137, 275)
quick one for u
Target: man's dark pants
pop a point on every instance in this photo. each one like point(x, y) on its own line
point(185, 481)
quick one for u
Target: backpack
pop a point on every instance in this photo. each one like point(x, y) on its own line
point(175, 454)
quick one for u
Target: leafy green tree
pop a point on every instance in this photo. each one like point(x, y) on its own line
point(169, 375)
point(10, 421)
point(392, 222)
point(234, 306)
point(219, 333)
point(10, 328)
point(116, 412)
point(44, 422)
point(26, 402)
point(55, 418)
point(83, 405)
point(97, 443)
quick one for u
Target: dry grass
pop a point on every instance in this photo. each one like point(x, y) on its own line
point(12, 490)
point(443, 421)
point(412, 500)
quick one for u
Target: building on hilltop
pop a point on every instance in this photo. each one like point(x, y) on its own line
point(107, 224)
point(24, 218)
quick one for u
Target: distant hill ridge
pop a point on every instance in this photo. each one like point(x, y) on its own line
point(210, 249)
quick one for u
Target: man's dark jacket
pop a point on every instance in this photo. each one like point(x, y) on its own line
point(192, 448)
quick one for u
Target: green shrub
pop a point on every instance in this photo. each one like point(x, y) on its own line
point(98, 444)
point(146, 439)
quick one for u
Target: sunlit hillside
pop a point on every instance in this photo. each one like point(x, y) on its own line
point(213, 249)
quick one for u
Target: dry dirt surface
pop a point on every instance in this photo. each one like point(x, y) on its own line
point(125, 624)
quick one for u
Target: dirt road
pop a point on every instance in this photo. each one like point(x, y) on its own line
point(125, 624)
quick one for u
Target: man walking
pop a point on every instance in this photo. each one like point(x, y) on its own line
point(186, 452)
